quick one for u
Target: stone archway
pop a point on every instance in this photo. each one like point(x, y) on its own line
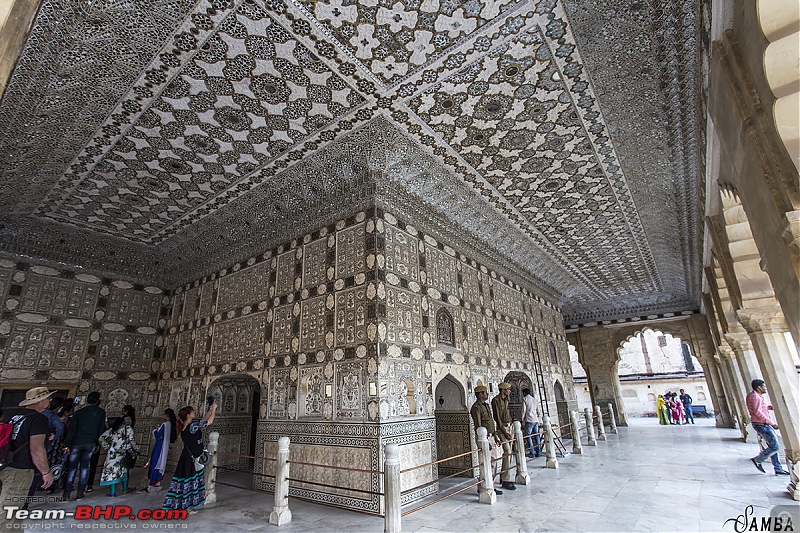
point(238, 399)
point(562, 408)
point(453, 435)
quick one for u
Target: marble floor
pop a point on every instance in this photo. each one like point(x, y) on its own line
point(646, 478)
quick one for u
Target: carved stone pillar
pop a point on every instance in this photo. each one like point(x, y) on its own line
point(766, 327)
point(745, 355)
point(736, 388)
point(705, 350)
point(722, 409)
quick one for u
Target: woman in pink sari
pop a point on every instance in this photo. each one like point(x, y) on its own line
point(677, 409)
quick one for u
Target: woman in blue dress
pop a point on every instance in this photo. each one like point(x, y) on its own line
point(165, 435)
point(187, 490)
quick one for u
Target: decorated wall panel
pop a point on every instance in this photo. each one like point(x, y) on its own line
point(245, 287)
point(124, 351)
point(80, 330)
point(239, 338)
point(350, 251)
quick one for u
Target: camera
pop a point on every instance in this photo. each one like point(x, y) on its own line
point(210, 401)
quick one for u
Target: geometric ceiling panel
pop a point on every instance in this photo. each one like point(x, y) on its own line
point(562, 139)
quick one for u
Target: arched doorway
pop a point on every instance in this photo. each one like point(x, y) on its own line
point(238, 398)
point(452, 427)
point(562, 408)
point(518, 381)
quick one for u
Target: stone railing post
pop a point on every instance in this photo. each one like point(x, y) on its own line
point(549, 444)
point(522, 465)
point(281, 514)
point(486, 488)
point(601, 430)
point(211, 469)
point(577, 447)
point(612, 419)
point(391, 489)
point(587, 416)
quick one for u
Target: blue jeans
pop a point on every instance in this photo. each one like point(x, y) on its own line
point(771, 451)
point(80, 454)
point(532, 428)
point(689, 413)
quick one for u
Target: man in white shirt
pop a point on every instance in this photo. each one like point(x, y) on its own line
point(530, 418)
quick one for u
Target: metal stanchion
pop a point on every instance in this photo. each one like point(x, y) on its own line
point(391, 489)
point(522, 465)
point(281, 514)
point(549, 444)
point(577, 447)
point(486, 488)
point(587, 416)
point(612, 419)
point(601, 430)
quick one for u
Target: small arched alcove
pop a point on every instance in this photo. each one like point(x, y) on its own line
point(452, 426)
point(562, 408)
point(238, 399)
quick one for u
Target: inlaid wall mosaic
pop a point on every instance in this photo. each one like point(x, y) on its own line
point(236, 124)
point(79, 331)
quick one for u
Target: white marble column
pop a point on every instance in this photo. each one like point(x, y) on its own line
point(281, 514)
point(577, 447)
point(391, 489)
point(549, 443)
point(587, 416)
point(766, 328)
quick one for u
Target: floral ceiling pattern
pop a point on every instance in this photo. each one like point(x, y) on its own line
point(162, 140)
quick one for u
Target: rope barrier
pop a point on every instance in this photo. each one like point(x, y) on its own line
point(247, 457)
point(336, 467)
point(437, 480)
point(415, 509)
point(228, 469)
point(439, 461)
point(332, 486)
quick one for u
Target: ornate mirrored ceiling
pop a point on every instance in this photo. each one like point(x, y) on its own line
point(163, 140)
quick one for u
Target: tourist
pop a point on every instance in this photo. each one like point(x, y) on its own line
point(481, 415)
point(117, 440)
point(55, 434)
point(686, 400)
point(530, 417)
point(661, 408)
point(187, 489)
point(503, 421)
point(165, 435)
point(677, 409)
point(759, 416)
point(28, 434)
point(85, 428)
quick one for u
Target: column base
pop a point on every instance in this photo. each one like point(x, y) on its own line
point(552, 463)
point(602, 436)
point(522, 479)
point(487, 496)
point(577, 451)
point(794, 479)
point(749, 434)
point(280, 517)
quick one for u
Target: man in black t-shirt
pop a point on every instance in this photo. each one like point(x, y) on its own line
point(27, 444)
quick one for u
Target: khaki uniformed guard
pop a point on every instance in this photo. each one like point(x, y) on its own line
point(502, 417)
point(482, 417)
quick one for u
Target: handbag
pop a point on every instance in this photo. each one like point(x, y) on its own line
point(202, 460)
point(129, 459)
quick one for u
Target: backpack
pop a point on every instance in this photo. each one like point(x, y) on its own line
point(6, 455)
point(6, 432)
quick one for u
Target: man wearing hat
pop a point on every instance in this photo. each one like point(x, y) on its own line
point(502, 417)
point(482, 417)
point(28, 446)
